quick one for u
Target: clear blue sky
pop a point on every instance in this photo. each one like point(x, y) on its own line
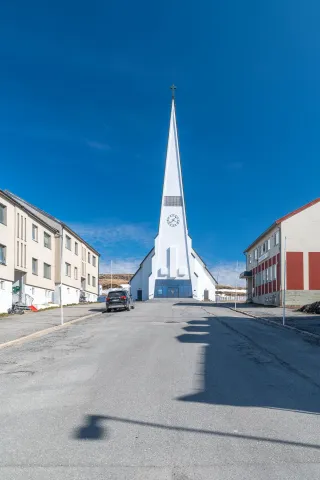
point(85, 100)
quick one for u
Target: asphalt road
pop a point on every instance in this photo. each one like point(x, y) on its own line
point(167, 391)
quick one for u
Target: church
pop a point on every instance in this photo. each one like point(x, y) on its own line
point(173, 269)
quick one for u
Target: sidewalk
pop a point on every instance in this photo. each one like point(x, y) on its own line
point(302, 321)
point(17, 326)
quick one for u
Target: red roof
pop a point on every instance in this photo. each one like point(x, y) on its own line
point(282, 219)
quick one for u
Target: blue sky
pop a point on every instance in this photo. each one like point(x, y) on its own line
point(85, 103)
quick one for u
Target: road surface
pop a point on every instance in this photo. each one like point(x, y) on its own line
point(168, 391)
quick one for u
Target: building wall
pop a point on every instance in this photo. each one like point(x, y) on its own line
point(35, 249)
point(143, 279)
point(201, 280)
point(302, 233)
point(41, 296)
point(7, 237)
point(5, 295)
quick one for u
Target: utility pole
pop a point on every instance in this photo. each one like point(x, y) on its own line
point(284, 282)
point(61, 270)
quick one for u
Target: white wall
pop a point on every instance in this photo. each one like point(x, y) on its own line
point(143, 280)
point(202, 280)
point(41, 296)
point(5, 295)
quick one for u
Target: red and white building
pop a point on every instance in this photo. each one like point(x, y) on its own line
point(286, 257)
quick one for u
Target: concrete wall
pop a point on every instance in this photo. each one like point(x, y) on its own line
point(143, 278)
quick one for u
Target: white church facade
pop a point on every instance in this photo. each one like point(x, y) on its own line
point(172, 269)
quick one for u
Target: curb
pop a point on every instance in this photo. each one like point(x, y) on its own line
point(272, 322)
point(42, 333)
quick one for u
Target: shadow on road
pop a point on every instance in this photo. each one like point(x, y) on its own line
point(93, 430)
point(243, 370)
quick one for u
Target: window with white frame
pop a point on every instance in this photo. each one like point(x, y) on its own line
point(47, 240)
point(18, 244)
point(21, 227)
point(21, 250)
point(68, 269)
point(94, 260)
point(2, 285)
point(25, 229)
point(269, 244)
point(68, 242)
point(47, 271)
point(75, 273)
point(34, 232)
point(88, 278)
point(3, 214)
point(32, 290)
point(25, 256)
point(256, 254)
point(277, 238)
point(249, 258)
point(93, 281)
point(89, 257)
point(35, 266)
point(275, 272)
point(83, 254)
point(18, 224)
point(76, 248)
point(3, 254)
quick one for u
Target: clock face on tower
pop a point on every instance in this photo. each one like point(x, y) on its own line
point(173, 220)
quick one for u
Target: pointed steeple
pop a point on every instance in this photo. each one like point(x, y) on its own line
point(172, 185)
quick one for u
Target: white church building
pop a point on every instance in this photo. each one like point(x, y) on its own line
point(172, 269)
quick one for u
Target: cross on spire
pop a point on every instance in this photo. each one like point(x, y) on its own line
point(173, 88)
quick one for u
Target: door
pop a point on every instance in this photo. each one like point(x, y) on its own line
point(206, 295)
point(173, 292)
point(139, 295)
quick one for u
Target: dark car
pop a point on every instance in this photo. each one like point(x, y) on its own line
point(119, 299)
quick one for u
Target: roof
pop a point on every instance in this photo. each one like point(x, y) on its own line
point(282, 219)
point(15, 198)
point(141, 264)
point(22, 207)
point(205, 266)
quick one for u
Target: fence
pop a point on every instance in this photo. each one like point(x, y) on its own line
point(231, 298)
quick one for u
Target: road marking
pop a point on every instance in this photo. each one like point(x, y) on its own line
point(41, 333)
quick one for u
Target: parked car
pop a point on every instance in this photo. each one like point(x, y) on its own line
point(119, 299)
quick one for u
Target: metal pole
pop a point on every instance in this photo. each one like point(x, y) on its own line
point(235, 296)
point(284, 282)
point(61, 270)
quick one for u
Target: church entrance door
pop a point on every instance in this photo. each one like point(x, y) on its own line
point(173, 292)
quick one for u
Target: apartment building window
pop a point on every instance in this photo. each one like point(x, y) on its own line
point(18, 225)
point(277, 238)
point(75, 273)
point(2, 284)
point(68, 269)
point(47, 240)
point(47, 271)
point(32, 290)
point(3, 214)
point(76, 247)
point(89, 257)
point(34, 232)
point(249, 258)
point(269, 244)
point(68, 242)
point(83, 269)
point(88, 278)
point(18, 244)
point(21, 227)
point(25, 256)
point(21, 251)
point(25, 229)
point(93, 281)
point(83, 254)
point(256, 254)
point(3, 254)
point(35, 266)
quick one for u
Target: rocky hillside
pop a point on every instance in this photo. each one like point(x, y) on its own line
point(117, 279)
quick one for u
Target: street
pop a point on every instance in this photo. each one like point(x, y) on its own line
point(170, 390)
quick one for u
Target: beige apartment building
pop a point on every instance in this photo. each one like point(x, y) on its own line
point(286, 258)
point(40, 257)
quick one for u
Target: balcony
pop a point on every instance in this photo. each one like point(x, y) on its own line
point(246, 274)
